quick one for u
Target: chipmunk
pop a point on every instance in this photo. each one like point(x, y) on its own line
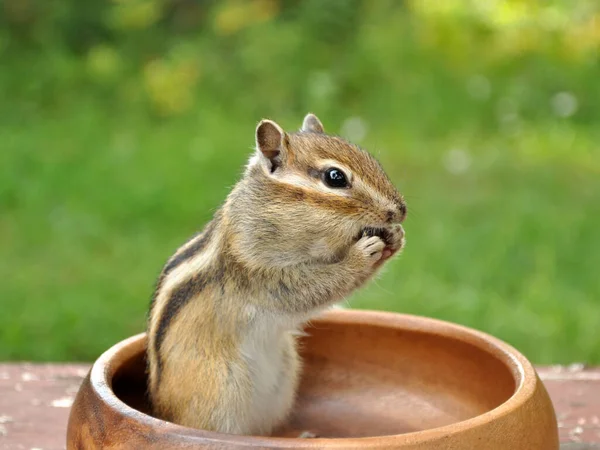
point(311, 220)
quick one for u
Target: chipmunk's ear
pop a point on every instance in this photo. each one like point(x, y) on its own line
point(270, 144)
point(312, 124)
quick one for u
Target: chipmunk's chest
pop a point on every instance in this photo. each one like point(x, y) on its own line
point(269, 352)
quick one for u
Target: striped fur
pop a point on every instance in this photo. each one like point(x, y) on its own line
point(227, 306)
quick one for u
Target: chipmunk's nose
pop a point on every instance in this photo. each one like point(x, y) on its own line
point(398, 215)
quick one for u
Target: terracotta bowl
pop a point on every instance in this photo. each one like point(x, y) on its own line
point(371, 380)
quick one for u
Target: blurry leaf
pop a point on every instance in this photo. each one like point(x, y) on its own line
point(233, 15)
point(170, 85)
point(104, 63)
point(135, 14)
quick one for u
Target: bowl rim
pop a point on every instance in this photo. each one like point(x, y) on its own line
point(523, 372)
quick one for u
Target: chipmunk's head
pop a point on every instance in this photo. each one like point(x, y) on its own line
point(315, 193)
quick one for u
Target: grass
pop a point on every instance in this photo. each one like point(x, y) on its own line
point(499, 238)
point(493, 142)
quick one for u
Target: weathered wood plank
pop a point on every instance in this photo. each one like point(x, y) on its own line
point(575, 392)
point(34, 404)
point(35, 401)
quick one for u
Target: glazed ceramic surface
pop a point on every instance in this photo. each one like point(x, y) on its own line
point(371, 380)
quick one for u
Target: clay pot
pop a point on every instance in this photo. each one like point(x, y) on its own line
point(371, 380)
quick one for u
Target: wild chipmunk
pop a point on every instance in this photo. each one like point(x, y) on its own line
point(311, 220)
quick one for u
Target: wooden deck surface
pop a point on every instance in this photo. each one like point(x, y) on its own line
point(35, 401)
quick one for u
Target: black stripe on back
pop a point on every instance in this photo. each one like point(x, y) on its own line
point(202, 239)
point(192, 250)
point(178, 299)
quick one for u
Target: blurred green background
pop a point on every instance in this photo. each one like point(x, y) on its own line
point(124, 124)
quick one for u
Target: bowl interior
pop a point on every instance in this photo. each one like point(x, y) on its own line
point(365, 379)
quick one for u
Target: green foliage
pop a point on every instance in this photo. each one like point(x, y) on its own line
point(123, 125)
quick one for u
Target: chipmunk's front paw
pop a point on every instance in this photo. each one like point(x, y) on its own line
point(396, 237)
point(370, 249)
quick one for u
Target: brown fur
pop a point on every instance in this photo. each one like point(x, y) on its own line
point(221, 352)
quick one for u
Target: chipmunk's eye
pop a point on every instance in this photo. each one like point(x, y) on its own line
point(335, 178)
